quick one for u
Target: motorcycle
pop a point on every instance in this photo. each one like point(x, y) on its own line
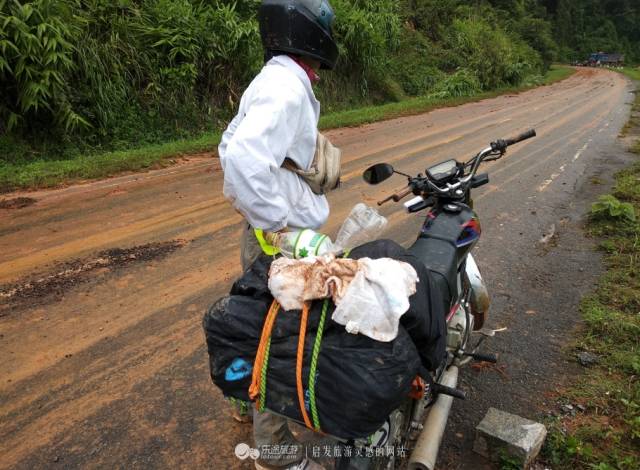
point(444, 245)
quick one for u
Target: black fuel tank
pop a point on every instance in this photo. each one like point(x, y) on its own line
point(449, 233)
point(456, 223)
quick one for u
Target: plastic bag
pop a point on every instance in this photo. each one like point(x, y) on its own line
point(376, 298)
point(364, 224)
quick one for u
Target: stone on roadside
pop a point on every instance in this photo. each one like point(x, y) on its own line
point(568, 409)
point(587, 359)
point(502, 434)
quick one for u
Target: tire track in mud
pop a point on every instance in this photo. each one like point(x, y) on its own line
point(157, 217)
point(416, 145)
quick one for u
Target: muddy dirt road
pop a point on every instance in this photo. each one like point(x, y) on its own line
point(103, 285)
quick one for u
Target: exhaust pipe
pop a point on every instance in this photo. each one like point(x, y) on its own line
point(426, 452)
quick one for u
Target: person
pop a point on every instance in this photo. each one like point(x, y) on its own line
point(277, 167)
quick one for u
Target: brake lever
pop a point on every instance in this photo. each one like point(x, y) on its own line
point(495, 156)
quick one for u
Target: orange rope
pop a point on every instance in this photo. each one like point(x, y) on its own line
point(299, 361)
point(267, 329)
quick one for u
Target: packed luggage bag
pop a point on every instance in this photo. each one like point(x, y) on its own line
point(338, 383)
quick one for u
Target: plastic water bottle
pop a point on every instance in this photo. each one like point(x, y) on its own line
point(364, 224)
point(304, 243)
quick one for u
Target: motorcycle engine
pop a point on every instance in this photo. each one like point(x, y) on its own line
point(458, 330)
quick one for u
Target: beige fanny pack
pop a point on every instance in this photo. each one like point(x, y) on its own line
point(324, 174)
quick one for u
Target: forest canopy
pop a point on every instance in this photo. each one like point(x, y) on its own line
point(108, 74)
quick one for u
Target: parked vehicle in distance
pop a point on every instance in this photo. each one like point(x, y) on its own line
point(603, 59)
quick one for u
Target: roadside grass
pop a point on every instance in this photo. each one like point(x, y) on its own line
point(634, 121)
point(631, 72)
point(423, 104)
point(49, 173)
point(606, 435)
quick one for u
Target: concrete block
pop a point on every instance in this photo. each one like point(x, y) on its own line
point(502, 433)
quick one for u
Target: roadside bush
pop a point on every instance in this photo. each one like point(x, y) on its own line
point(533, 80)
point(537, 33)
point(366, 31)
point(431, 17)
point(142, 71)
point(36, 41)
point(495, 58)
point(80, 77)
point(414, 66)
point(609, 207)
point(368, 34)
point(461, 83)
point(99, 74)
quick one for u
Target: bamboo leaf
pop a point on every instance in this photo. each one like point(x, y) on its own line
point(12, 121)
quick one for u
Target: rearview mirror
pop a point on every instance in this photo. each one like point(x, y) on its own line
point(378, 173)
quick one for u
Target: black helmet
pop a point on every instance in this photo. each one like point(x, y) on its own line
point(301, 27)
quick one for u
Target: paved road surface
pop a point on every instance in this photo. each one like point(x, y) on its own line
point(103, 285)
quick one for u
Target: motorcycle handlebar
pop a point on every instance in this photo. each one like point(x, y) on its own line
point(499, 146)
point(524, 136)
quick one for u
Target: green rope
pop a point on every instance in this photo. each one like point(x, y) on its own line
point(263, 378)
point(241, 405)
point(314, 367)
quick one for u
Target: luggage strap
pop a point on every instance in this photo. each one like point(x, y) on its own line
point(259, 376)
point(299, 362)
point(314, 366)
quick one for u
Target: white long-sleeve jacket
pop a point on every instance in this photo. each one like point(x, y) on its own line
point(278, 118)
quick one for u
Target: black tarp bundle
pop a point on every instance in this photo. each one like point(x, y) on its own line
point(358, 381)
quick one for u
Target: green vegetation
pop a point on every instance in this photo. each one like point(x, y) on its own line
point(607, 435)
point(47, 173)
point(82, 78)
point(634, 121)
point(422, 104)
point(585, 26)
point(632, 73)
point(610, 207)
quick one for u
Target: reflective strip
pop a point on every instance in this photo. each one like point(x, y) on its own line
point(267, 249)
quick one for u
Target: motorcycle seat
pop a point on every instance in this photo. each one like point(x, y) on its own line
point(439, 256)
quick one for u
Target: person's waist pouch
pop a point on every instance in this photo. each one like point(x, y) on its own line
point(324, 175)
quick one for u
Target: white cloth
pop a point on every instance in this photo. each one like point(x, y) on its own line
point(277, 119)
point(370, 295)
point(376, 298)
